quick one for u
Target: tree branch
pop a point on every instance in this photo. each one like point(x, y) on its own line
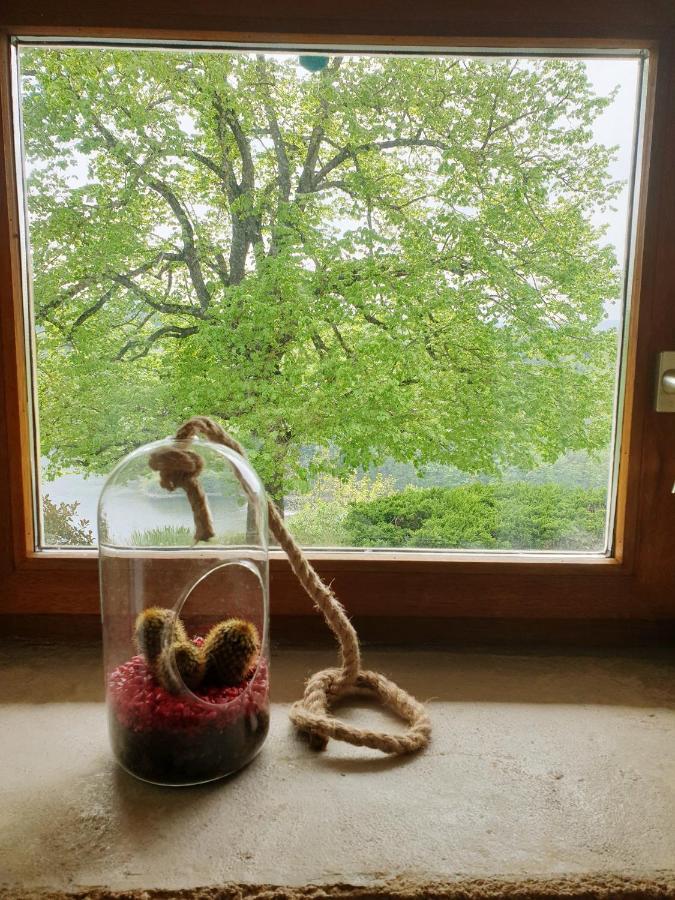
point(220, 268)
point(347, 152)
point(160, 187)
point(246, 229)
point(90, 311)
point(284, 180)
point(68, 294)
point(158, 305)
point(341, 341)
point(307, 176)
point(229, 117)
point(166, 331)
point(89, 281)
point(319, 344)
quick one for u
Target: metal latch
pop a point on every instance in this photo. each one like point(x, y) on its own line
point(665, 382)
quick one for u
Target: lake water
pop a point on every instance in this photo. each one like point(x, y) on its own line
point(175, 511)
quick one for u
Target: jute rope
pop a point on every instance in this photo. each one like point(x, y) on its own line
point(180, 468)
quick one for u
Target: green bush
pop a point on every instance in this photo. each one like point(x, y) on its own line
point(179, 536)
point(166, 536)
point(63, 526)
point(483, 516)
point(318, 520)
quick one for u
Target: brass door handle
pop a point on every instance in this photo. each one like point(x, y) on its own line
point(665, 382)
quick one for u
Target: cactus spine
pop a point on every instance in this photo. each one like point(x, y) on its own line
point(154, 627)
point(181, 663)
point(230, 649)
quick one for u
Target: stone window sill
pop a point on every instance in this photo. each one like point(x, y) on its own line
point(540, 765)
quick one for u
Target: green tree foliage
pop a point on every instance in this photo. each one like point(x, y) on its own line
point(395, 257)
point(486, 516)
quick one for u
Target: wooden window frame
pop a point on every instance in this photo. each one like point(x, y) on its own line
point(429, 596)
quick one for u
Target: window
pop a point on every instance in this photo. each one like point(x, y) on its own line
point(563, 388)
point(399, 276)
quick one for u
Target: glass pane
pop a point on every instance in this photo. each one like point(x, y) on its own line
point(398, 279)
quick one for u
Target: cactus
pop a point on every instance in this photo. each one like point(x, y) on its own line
point(225, 657)
point(153, 627)
point(184, 658)
point(230, 649)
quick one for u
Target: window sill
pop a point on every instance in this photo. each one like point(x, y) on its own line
point(532, 763)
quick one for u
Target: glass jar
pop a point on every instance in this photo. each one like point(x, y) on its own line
point(185, 621)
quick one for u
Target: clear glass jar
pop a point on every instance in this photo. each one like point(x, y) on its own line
point(185, 624)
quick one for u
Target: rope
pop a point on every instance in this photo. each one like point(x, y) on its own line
point(181, 469)
point(311, 715)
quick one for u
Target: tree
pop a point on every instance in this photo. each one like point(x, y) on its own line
point(394, 257)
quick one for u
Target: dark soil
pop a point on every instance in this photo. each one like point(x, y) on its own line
point(189, 756)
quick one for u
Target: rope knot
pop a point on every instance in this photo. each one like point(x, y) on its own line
point(179, 468)
point(175, 466)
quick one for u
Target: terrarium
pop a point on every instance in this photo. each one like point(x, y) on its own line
point(184, 594)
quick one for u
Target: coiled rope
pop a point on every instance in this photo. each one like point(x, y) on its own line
point(180, 468)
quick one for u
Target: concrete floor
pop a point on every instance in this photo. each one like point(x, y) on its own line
point(539, 766)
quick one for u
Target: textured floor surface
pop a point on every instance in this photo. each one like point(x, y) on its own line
point(540, 766)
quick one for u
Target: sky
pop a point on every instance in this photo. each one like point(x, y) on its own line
point(615, 127)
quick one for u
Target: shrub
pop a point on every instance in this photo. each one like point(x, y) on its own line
point(165, 536)
point(62, 525)
point(483, 516)
point(320, 515)
point(178, 536)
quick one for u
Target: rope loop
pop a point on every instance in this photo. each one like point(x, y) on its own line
point(311, 715)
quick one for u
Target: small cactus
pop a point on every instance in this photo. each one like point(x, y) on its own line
point(153, 627)
point(185, 659)
point(224, 658)
point(230, 649)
